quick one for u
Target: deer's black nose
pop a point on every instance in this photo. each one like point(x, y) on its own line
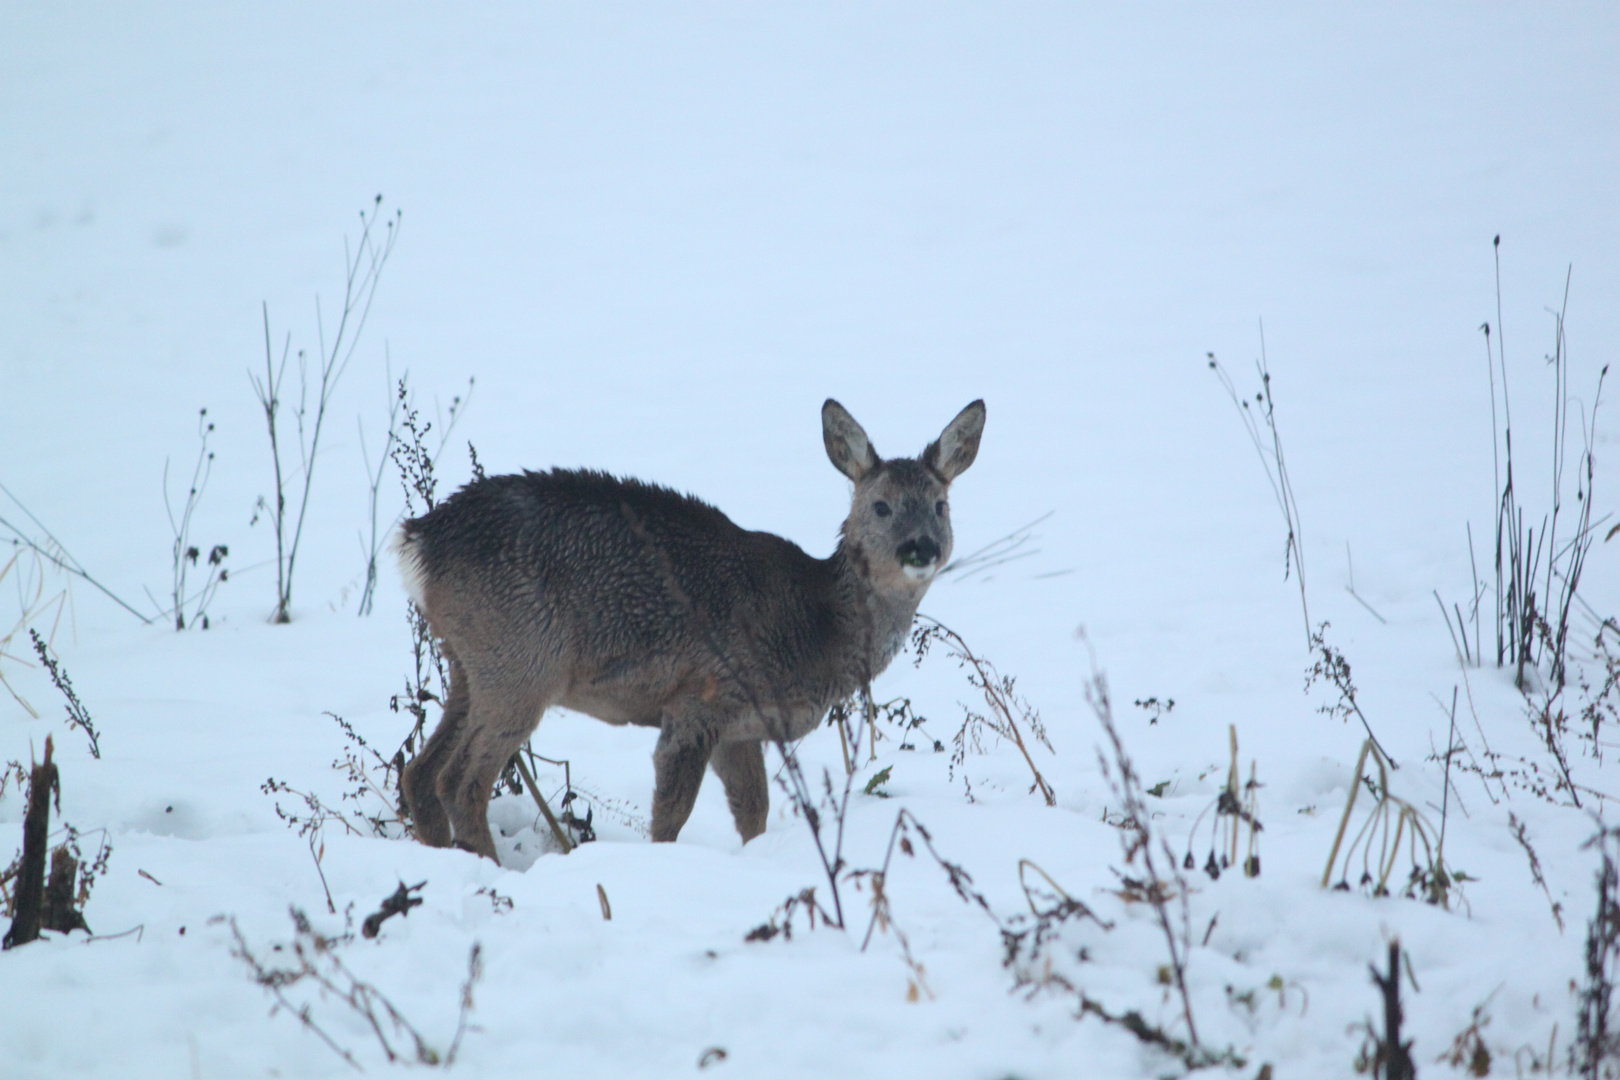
point(923, 551)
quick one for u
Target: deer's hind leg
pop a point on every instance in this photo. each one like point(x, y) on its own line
point(419, 782)
point(741, 767)
point(500, 718)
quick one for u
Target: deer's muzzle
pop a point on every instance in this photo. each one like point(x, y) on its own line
point(919, 557)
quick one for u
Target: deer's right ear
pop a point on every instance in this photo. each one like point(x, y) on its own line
point(847, 445)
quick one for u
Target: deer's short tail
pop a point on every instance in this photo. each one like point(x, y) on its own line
point(405, 547)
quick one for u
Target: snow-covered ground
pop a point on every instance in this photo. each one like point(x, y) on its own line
point(658, 237)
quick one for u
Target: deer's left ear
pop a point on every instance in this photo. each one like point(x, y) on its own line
point(957, 446)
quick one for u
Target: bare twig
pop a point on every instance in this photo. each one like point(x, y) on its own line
point(1331, 665)
point(1516, 827)
point(1597, 1045)
point(1268, 445)
point(557, 830)
point(315, 960)
point(77, 715)
point(1005, 705)
point(1391, 823)
point(29, 907)
point(363, 271)
point(475, 971)
point(399, 902)
point(52, 550)
point(183, 554)
point(1392, 1058)
point(1137, 841)
point(999, 552)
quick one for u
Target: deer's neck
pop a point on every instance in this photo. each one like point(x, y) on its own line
point(876, 621)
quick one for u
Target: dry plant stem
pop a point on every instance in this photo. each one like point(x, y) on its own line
point(399, 902)
point(317, 961)
point(1336, 669)
point(1595, 1043)
point(374, 479)
point(961, 881)
point(363, 271)
point(269, 394)
point(1233, 785)
point(53, 551)
point(1395, 1055)
point(273, 981)
point(843, 744)
point(29, 907)
point(1468, 694)
point(1350, 804)
point(1445, 790)
point(1553, 737)
point(1350, 588)
point(1464, 656)
point(1136, 838)
point(551, 819)
point(319, 853)
point(997, 695)
point(1532, 630)
point(77, 715)
point(29, 608)
point(1276, 465)
point(1408, 826)
point(904, 823)
point(998, 552)
point(1516, 827)
point(475, 971)
point(181, 552)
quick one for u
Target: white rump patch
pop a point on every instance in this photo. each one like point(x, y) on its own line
point(410, 565)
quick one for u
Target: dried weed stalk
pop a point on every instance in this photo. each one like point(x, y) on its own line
point(883, 914)
point(1596, 1053)
point(1516, 827)
point(1268, 444)
point(1236, 813)
point(1392, 823)
point(1385, 1056)
point(1538, 572)
point(1007, 712)
point(398, 902)
point(183, 553)
point(48, 884)
point(363, 267)
point(45, 546)
point(27, 569)
point(1331, 667)
point(1468, 1050)
point(1160, 887)
point(77, 715)
point(1029, 942)
point(315, 964)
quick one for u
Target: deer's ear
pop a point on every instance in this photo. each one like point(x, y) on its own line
point(957, 446)
point(847, 445)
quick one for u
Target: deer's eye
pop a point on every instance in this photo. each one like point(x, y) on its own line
point(881, 508)
point(939, 508)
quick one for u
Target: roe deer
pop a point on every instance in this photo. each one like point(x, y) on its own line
point(635, 604)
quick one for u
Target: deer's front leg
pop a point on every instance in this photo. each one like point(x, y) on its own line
point(685, 744)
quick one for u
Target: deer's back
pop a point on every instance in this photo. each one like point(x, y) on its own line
point(632, 587)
